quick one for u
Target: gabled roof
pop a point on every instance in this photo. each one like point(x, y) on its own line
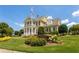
point(42, 18)
point(28, 19)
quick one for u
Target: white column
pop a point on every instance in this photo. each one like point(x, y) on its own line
point(26, 31)
point(36, 31)
point(52, 29)
point(32, 31)
point(57, 28)
point(32, 23)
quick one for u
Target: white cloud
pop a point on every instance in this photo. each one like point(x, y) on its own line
point(71, 24)
point(75, 13)
point(65, 21)
point(49, 17)
point(21, 25)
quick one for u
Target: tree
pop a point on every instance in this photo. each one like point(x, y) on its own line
point(41, 30)
point(5, 29)
point(9, 31)
point(3, 25)
point(55, 32)
point(16, 33)
point(21, 32)
point(63, 29)
point(74, 29)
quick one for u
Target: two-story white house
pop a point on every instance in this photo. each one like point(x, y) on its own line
point(32, 23)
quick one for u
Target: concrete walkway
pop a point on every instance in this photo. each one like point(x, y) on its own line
point(8, 51)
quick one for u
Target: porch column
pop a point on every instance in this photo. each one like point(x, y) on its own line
point(32, 31)
point(51, 29)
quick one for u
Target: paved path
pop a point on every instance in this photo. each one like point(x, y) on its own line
point(8, 51)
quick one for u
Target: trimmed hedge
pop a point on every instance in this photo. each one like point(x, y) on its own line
point(35, 41)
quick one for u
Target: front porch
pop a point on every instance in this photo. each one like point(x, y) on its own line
point(30, 31)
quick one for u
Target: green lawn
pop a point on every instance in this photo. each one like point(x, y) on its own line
point(71, 44)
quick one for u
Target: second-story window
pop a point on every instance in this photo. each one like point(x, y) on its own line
point(34, 23)
point(27, 23)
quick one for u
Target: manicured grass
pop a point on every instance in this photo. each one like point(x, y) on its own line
point(70, 44)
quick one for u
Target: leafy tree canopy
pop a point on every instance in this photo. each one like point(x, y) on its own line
point(5, 30)
point(63, 28)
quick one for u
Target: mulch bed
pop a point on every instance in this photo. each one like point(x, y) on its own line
point(54, 43)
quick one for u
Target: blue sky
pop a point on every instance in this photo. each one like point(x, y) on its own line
point(14, 15)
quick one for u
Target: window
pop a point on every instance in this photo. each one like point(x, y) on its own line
point(33, 30)
point(34, 23)
point(27, 30)
point(27, 23)
point(30, 30)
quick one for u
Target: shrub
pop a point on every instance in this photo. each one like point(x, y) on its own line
point(5, 38)
point(41, 30)
point(35, 41)
point(27, 41)
point(45, 36)
point(53, 38)
point(54, 32)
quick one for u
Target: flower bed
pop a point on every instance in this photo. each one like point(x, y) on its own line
point(5, 38)
point(35, 41)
